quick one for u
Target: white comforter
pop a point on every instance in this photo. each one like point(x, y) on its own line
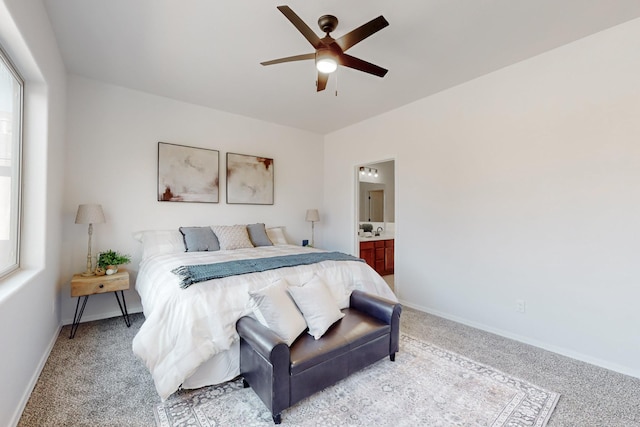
point(186, 327)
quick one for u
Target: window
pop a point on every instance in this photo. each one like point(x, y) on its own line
point(11, 85)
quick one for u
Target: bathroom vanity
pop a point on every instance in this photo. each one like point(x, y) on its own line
point(377, 251)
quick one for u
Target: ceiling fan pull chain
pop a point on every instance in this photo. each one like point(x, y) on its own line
point(336, 82)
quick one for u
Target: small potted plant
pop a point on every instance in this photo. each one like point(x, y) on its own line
point(108, 261)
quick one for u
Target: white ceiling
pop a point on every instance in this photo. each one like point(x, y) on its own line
point(208, 52)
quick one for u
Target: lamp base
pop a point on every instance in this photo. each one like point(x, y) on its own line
point(88, 274)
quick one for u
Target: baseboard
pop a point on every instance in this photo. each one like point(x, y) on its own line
point(34, 379)
point(104, 315)
point(625, 370)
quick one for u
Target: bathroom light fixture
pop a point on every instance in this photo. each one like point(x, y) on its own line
point(368, 171)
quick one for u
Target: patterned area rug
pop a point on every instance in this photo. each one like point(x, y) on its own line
point(426, 385)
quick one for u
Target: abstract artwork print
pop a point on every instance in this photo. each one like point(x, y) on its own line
point(187, 174)
point(249, 179)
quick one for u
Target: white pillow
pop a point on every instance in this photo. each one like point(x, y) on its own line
point(340, 283)
point(317, 304)
point(232, 236)
point(159, 242)
point(274, 308)
point(276, 235)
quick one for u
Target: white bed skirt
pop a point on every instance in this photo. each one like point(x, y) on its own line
point(220, 368)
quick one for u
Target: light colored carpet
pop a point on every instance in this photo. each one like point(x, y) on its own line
point(426, 385)
point(95, 379)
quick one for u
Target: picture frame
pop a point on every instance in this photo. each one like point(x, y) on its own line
point(188, 174)
point(250, 179)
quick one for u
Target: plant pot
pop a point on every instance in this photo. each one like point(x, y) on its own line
point(111, 269)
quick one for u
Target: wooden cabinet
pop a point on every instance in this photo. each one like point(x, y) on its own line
point(379, 255)
point(367, 253)
point(388, 256)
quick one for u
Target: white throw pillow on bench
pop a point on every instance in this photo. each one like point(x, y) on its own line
point(273, 307)
point(317, 304)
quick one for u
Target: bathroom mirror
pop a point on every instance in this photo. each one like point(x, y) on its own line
point(376, 198)
point(371, 202)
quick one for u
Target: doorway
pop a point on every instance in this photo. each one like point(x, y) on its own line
point(375, 216)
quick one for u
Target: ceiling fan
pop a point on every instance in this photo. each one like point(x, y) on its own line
point(331, 52)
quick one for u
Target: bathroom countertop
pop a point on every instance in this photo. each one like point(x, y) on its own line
point(383, 236)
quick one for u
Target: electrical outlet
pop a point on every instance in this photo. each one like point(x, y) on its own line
point(520, 306)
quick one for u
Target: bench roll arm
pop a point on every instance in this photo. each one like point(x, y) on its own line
point(263, 340)
point(383, 309)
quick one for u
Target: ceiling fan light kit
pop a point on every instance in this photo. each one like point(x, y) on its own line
point(325, 62)
point(330, 52)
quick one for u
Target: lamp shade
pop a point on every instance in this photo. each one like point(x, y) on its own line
point(90, 214)
point(313, 215)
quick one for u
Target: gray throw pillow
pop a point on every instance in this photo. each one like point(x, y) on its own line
point(258, 235)
point(199, 239)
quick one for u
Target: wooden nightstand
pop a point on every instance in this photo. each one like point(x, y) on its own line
point(84, 286)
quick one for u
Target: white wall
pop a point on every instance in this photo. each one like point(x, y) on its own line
point(113, 136)
point(29, 309)
point(522, 184)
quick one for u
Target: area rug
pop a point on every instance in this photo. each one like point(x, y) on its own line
point(425, 386)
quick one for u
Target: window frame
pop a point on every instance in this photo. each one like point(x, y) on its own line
point(16, 163)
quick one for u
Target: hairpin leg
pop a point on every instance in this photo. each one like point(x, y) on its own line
point(124, 311)
point(77, 316)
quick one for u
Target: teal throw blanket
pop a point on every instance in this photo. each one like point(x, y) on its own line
point(190, 274)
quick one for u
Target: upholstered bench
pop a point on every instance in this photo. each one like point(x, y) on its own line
point(282, 376)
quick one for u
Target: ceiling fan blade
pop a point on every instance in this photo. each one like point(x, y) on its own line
point(301, 26)
point(360, 65)
point(321, 83)
point(290, 59)
point(361, 33)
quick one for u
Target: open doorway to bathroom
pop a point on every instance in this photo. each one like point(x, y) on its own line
point(375, 217)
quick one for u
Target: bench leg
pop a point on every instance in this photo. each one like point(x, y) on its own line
point(392, 357)
point(277, 418)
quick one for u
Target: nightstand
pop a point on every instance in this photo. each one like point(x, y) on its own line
point(85, 286)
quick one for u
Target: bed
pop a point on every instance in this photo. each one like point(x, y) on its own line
point(188, 339)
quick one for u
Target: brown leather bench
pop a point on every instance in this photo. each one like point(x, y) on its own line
point(282, 376)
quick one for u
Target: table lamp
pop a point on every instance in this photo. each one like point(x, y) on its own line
point(89, 214)
point(313, 216)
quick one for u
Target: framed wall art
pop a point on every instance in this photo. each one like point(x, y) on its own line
point(249, 179)
point(188, 174)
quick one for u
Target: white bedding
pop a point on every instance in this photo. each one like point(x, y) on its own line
point(184, 328)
